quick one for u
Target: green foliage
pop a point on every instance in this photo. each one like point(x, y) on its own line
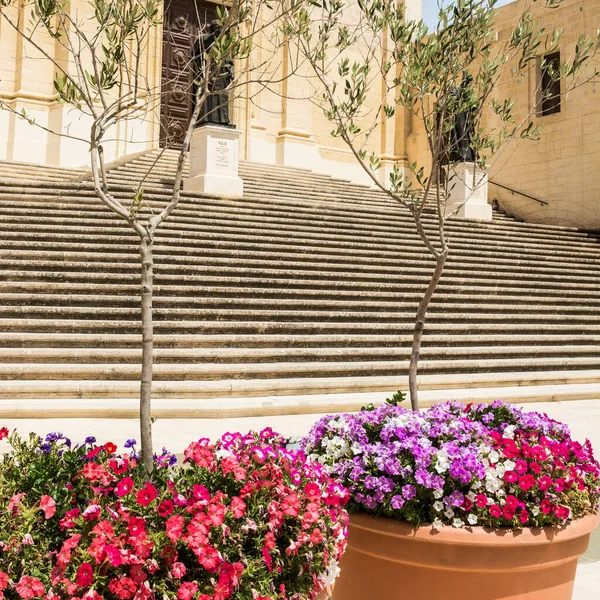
point(396, 399)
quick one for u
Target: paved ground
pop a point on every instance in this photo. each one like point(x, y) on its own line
point(582, 416)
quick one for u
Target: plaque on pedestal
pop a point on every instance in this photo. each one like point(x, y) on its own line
point(468, 189)
point(214, 160)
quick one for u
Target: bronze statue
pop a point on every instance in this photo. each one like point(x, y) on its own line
point(215, 110)
point(462, 130)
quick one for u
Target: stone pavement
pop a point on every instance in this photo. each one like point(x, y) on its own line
point(583, 418)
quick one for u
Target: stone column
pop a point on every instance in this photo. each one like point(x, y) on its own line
point(468, 189)
point(214, 162)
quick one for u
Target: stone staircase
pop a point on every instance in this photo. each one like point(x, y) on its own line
point(294, 299)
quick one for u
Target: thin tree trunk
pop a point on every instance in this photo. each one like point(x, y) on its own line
point(147, 353)
point(420, 326)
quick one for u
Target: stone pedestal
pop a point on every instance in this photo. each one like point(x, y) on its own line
point(469, 187)
point(214, 161)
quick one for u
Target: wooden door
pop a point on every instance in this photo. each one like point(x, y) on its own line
point(183, 20)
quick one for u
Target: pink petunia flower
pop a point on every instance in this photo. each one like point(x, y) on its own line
point(124, 487)
point(48, 505)
point(85, 575)
point(187, 590)
point(30, 587)
point(147, 495)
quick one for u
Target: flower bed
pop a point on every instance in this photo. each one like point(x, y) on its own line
point(244, 518)
point(495, 466)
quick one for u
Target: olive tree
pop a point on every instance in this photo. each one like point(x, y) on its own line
point(103, 77)
point(356, 48)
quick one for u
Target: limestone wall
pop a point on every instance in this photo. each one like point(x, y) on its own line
point(26, 83)
point(563, 167)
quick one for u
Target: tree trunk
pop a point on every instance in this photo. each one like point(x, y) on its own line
point(147, 353)
point(419, 328)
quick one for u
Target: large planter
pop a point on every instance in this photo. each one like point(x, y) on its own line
point(391, 560)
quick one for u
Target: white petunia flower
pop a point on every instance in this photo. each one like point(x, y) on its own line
point(437, 494)
point(493, 456)
point(509, 432)
point(449, 513)
point(457, 523)
point(472, 519)
point(437, 524)
point(438, 505)
point(535, 511)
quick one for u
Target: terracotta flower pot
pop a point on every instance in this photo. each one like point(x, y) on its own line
point(391, 560)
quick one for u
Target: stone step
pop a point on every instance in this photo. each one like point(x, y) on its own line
point(282, 370)
point(313, 222)
point(41, 292)
point(244, 355)
point(501, 325)
point(454, 340)
point(99, 303)
point(296, 266)
point(182, 238)
point(185, 273)
point(259, 405)
point(125, 249)
point(65, 390)
point(307, 285)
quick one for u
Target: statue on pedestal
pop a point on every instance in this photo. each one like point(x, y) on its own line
point(215, 110)
point(462, 130)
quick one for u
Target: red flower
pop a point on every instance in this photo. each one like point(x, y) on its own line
point(178, 570)
point(136, 572)
point(267, 558)
point(3, 580)
point(136, 526)
point(124, 487)
point(495, 511)
point(270, 541)
point(481, 500)
point(535, 468)
point(201, 493)
point(545, 507)
point(509, 512)
point(544, 483)
point(238, 507)
point(85, 575)
point(521, 467)
point(147, 494)
point(48, 505)
point(526, 482)
point(316, 537)
point(123, 588)
point(119, 465)
point(94, 452)
point(312, 491)
point(3, 433)
point(524, 517)
point(187, 590)
point(110, 447)
point(165, 508)
point(30, 587)
point(209, 558)
point(174, 527)
point(511, 476)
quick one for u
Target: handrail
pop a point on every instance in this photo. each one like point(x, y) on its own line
point(517, 192)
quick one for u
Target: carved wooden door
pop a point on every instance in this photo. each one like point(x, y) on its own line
point(183, 19)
